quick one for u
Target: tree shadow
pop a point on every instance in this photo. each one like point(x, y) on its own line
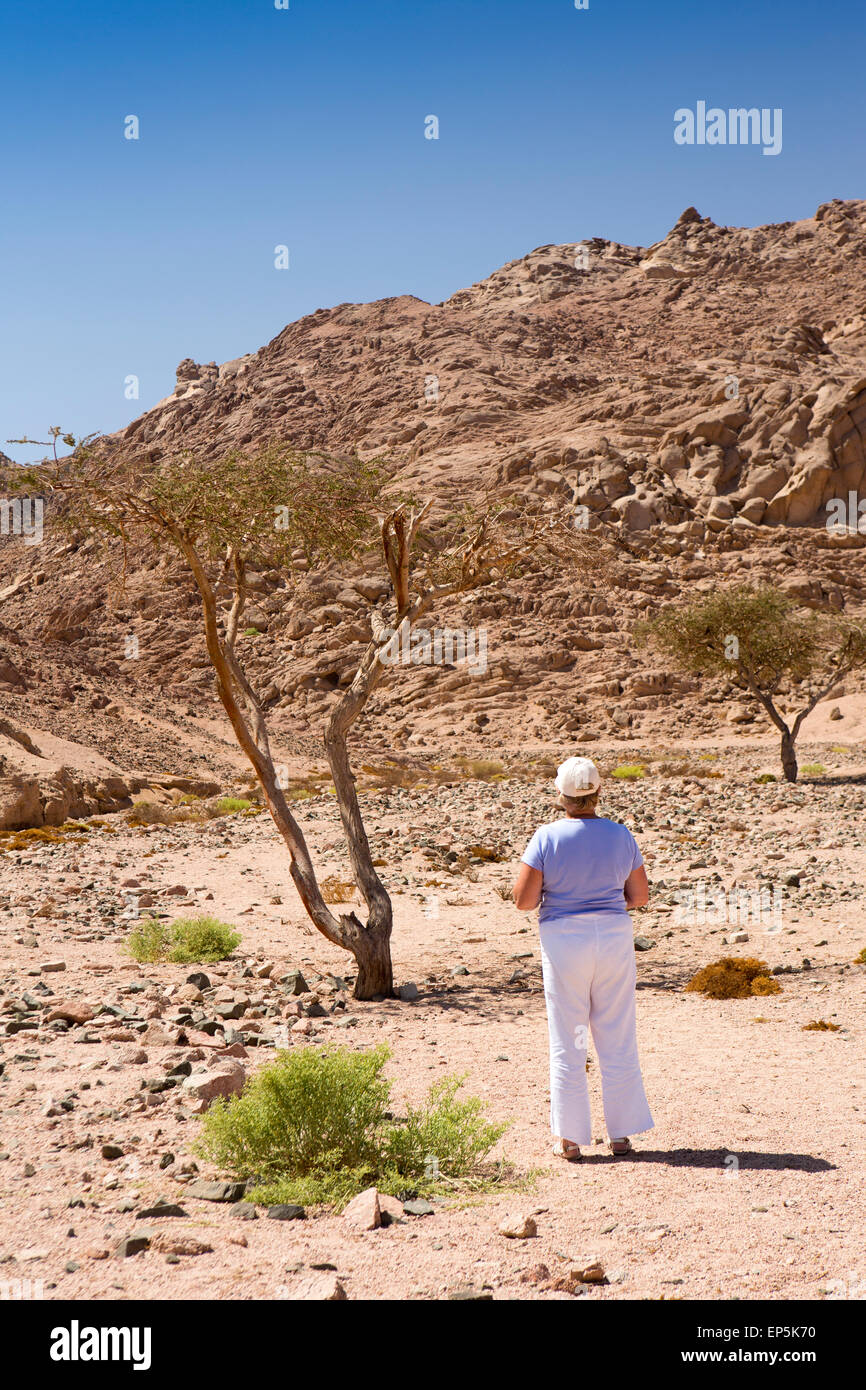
point(747, 1161)
point(834, 779)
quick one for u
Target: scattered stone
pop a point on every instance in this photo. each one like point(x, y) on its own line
point(132, 1245)
point(643, 943)
point(286, 1211)
point(202, 1191)
point(408, 992)
point(569, 1282)
point(71, 1011)
point(112, 1151)
point(419, 1207)
point(162, 1208)
point(50, 967)
point(363, 1212)
point(206, 1086)
point(518, 1227)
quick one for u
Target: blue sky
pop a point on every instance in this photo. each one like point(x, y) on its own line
point(305, 127)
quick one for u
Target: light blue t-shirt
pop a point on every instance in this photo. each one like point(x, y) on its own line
point(585, 863)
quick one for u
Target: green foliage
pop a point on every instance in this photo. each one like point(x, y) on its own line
point(764, 777)
point(149, 941)
point(452, 1130)
point(315, 1126)
point(271, 501)
point(756, 637)
point(190, 940)
point(861, 959)
point(229, 805)
point(813, 769)
point(202, 939)
point(629, 771)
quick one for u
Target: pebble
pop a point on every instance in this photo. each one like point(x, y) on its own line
point(518, 1227)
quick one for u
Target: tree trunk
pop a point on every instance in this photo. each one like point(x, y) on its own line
point(789, 757)
point(372, 951)
point(371, 945)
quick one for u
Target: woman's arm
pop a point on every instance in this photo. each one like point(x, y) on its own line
point(527, 889)
point(636, 888)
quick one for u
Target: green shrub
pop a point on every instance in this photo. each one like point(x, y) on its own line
point(861, 959)
point(314, 1126)
point(765, 777)
point(228, 805)
point(189, 941)
point(813, 769)
point(452, 1130)
point(149, 940)
point(201, 940)
point(629, 771)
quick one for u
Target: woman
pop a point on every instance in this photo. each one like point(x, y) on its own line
point(586, 872)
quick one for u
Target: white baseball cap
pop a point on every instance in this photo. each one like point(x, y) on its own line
point(577, 777)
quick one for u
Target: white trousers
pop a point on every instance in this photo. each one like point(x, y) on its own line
point(589, 984)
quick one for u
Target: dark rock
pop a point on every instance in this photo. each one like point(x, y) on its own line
point(286, 1211)
point(162, 1208)
point(216, 1191)
point(131, 1245)
point(419, 1207)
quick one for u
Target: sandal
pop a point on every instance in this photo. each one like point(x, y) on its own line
point(620, 1147)
point(564, 1148)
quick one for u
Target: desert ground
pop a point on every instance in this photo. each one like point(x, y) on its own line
point(750, 1185)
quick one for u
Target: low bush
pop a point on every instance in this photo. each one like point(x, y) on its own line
point(188, 941)
point(230, 805)
point(315, 1126)
point(734, 978)
point(149, 940)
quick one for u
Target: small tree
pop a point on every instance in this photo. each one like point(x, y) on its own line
point(257, 510)
point(763, 642)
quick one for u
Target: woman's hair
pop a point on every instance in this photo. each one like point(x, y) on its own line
point(573, 805)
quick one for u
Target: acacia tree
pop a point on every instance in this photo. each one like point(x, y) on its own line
point(256, 510)
point(764, 644)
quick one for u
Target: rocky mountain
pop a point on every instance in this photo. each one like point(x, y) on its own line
point(720, 373)
point(706, 396)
